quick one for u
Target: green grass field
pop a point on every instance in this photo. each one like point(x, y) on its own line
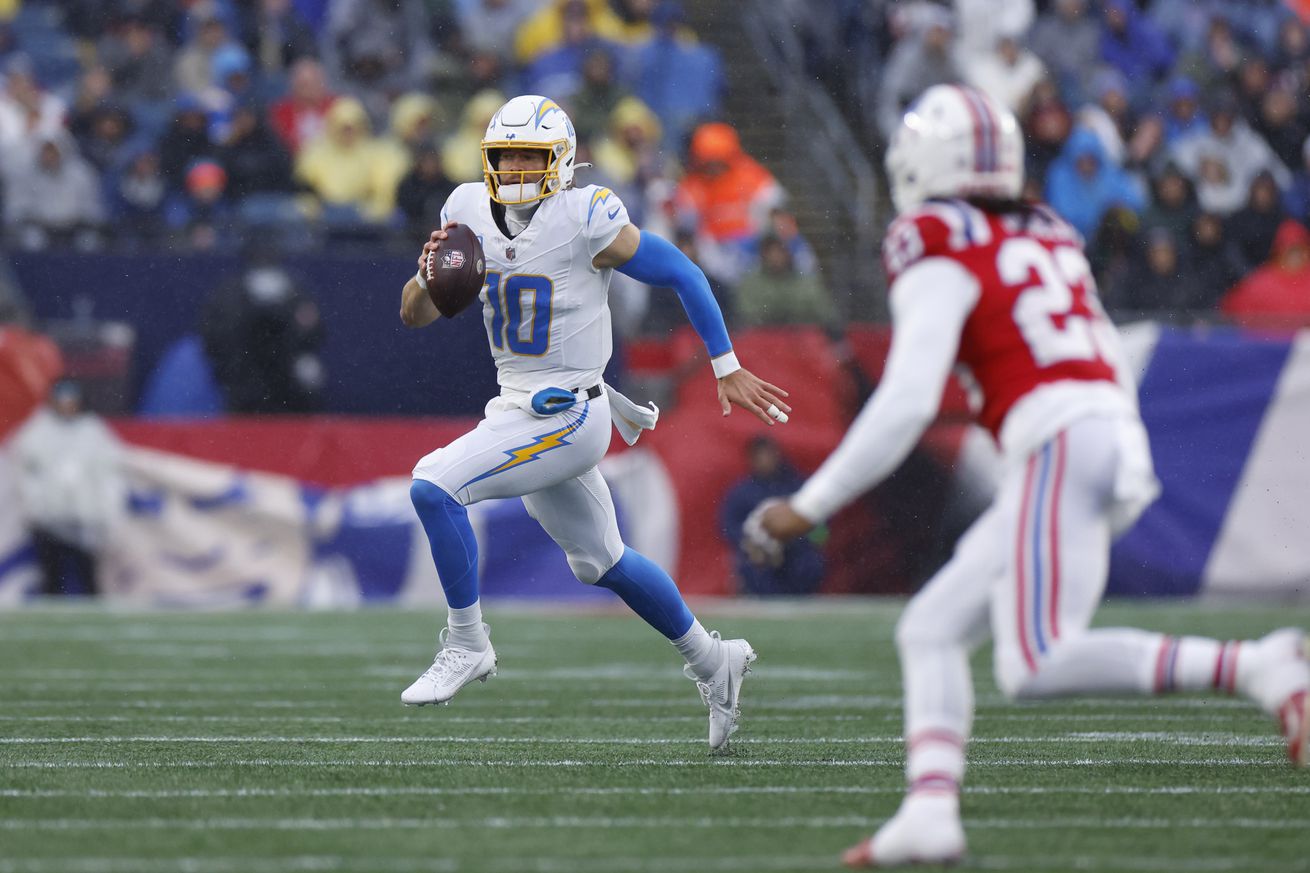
point(242, 743)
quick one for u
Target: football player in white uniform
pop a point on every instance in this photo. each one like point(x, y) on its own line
point(551, 249)
point(1003, 288)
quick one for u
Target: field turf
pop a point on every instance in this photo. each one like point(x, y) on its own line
point(245, 743)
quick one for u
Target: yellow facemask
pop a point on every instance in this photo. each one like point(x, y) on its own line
point(549, 183)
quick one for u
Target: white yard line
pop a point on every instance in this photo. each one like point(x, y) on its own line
point(1096, 738)
point(330, 863)
point(707, 761)
point(446, 822)
point(1185, 707)
point(220, 702)
point(633, 791)
point(489, 719)
point(538, 864)
point(18, 675)
point(493, 719)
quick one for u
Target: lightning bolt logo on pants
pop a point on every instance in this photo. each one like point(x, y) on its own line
point(539, 446)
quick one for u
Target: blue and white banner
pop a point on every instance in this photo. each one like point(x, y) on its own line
point(1229, 417)
point(204, 535)
point(1228, 413)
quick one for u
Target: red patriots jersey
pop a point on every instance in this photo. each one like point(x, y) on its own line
point(1037, 319)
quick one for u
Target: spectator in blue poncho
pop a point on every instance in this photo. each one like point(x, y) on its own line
point(1133, 44)
point(681, 82)
point(798, 567)
point(1083, 183)
point(1184, 116)
point(1297, 199)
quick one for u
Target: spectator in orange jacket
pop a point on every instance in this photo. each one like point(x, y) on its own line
point(1278, 294)
point(726, 192)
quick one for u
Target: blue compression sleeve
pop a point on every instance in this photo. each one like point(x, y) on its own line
point(658, 262)
point(450, 536)
point(650, 593)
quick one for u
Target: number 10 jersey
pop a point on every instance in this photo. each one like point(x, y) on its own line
point(545, 307)
point(1037, 327)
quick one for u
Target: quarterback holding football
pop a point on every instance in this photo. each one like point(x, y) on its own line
point(550, 249)
point(1001, 287)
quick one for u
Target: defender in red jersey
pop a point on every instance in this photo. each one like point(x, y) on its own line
point(1002, 290)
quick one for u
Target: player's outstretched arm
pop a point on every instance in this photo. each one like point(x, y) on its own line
point(930, 303)
point(416, 307)
point(655, 261)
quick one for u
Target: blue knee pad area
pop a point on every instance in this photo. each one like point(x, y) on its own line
point(649, 592)
point(450, 536)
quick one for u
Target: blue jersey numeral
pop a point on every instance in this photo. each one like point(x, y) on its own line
point(507, 317)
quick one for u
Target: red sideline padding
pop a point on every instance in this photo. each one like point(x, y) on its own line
point(29, 365)
point(870, 344)
point(322, 450)
point(705, 453)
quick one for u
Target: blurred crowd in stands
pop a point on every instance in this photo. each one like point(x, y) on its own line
point(133, 125)
point(1171, 133)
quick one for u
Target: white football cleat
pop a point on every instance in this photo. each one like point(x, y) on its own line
point(1273, 666)
point(721, 692)
point(452, 669)
point(925, 830)
point(1277, 677)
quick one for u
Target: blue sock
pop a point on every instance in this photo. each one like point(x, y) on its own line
point(454, 548)
point(650, 593)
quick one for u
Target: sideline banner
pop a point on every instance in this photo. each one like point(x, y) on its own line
point(240, 512)
point(199, 534)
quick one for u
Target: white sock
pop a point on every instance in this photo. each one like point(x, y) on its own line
point(1192, 664)
point(466, 630)
point(934, 761)
point(938, 715)
point(703, 652)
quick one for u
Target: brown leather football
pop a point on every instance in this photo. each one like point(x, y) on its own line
point(455, 271)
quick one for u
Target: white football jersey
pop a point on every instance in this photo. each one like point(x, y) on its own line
point(545, 306)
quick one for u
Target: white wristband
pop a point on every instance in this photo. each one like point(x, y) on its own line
point(422, 283)
point(725, 364)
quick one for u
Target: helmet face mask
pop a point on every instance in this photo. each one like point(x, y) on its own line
point(955, 141)
point(529, 122)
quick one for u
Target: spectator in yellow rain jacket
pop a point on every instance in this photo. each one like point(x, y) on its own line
point(462, 152)
point(414, 118)
point(631, 149)
point(347, 166)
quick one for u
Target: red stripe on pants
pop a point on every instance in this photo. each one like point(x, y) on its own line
point(1019, 565)
point(1055, 536)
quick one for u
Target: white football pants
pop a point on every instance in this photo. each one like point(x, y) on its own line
point(549, 461)
point(1031, 569)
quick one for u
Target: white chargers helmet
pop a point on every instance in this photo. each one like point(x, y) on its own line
point(955, 141)
point(529, 122)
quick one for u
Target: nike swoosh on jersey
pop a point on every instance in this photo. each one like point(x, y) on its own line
point(613, 212)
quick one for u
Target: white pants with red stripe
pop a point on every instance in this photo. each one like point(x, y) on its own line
point(1031, 571)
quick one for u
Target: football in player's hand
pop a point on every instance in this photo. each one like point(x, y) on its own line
point(455, 271)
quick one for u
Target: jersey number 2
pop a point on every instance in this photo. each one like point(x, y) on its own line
point(517, 297)
point(1039, 305)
